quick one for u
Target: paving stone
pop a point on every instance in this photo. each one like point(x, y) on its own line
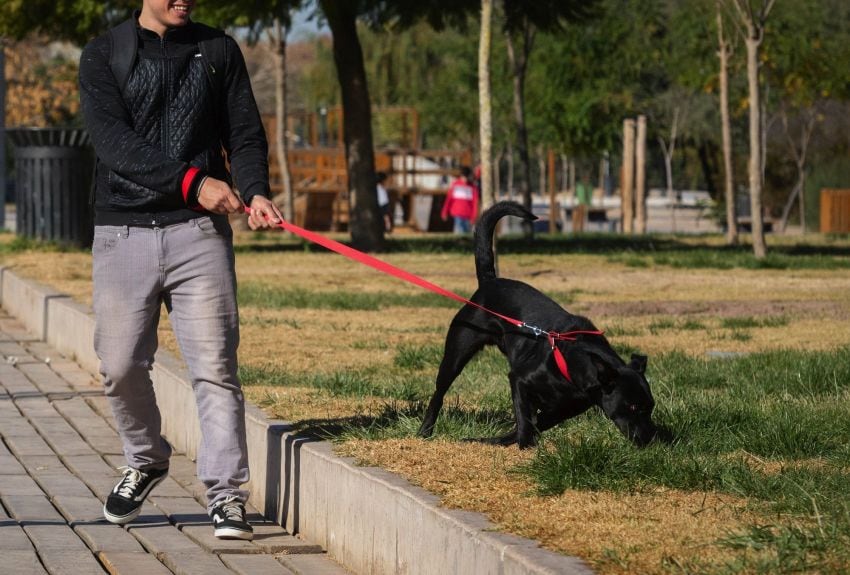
point(149, 515)
point(43, 351)
point(12, 349)
point(78, 509)
point(197, 563)
point(101, 405)
point(170, 488)
point(104, 536)
point(106, 444)
point(255, 565)
point(79, 379)
point(54, 536)
point(69, 444)
point(63, 485)
point(66, 562)
point(16, 383)
point(36, 406)
point(129, 563)
point(18, 485)
point(30, 444)
point(161, 538)
point(9, 465)
point(12, 537)
point(22, 563)
point(275, 539)
point(204, 536)
point(41, 465)
point(44, 378)
point(182, 469)
point(181, 510)
point(94, 472)
point(312, 565)
point(31, 509)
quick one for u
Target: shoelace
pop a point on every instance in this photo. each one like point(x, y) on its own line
point(232, 509)
point(132, 478)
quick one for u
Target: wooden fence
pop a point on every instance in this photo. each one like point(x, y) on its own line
point(835, 211)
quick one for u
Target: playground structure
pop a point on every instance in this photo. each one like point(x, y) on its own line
point(417, 179)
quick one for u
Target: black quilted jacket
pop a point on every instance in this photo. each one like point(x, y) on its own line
point(155, 143)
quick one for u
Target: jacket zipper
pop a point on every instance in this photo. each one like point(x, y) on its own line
point(166, 145)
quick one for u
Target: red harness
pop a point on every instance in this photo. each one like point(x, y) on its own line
point(392, 270)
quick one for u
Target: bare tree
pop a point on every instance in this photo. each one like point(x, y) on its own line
point(752, 22)
point(807, 123)
point(724, 52)
point(277, 38)
point(485, 101)
point(668, 148)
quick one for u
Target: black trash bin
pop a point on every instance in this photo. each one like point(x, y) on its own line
point(53, 173)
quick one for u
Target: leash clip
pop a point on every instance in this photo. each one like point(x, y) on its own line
point(536, 330)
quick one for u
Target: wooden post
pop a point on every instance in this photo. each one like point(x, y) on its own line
point(627, 182)
point(640, 176)
point(553, 205)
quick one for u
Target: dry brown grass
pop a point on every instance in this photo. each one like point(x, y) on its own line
point(617, 533)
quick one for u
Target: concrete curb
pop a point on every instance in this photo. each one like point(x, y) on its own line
point(368, 519)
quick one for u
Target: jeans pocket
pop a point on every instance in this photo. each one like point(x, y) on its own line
point(214, 226)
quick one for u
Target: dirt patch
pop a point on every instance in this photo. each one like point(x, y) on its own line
point(619, 533)
point(718, 308)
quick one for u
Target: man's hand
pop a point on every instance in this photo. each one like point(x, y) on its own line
point(264, 214)
point(217, 197)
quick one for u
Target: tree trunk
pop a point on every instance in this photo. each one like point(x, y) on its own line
point(628, 179)
point(367, 226)
point(519, 65)
point(640, 176)
point(759, 246)
point(488, 198)
point(723, 54)
point(279, 49)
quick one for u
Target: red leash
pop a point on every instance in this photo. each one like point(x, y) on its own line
point(392, 270)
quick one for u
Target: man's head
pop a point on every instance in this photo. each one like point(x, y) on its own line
point(160, 15)
point(466, 173)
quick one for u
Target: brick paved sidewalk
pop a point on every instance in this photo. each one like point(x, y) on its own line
point(58, 460)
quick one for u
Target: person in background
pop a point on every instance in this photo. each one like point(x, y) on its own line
point(384, 201)
point(462, 202)
point(162, 199)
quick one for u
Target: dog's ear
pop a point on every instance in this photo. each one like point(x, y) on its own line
point(638, 363)
point(592, 370)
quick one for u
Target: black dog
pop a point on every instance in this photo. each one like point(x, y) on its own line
point(543, 394)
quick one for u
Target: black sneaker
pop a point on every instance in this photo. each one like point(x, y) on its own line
point(125, 502)
point(228, 517)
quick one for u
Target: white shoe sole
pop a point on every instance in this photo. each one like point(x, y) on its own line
point(121, 519)
point(231, 533)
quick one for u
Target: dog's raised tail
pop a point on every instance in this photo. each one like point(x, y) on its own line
point(485, 265)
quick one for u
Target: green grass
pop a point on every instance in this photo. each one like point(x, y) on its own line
point(270, 297)
point(634, 251)
point(789, 410)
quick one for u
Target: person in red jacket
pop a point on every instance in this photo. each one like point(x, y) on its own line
point(462, 202)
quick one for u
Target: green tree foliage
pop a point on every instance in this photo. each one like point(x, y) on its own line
point(75, 20)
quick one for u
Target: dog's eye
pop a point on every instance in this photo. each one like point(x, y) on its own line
point(633, 407)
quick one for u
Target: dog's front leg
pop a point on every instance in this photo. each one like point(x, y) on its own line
point(525, 433)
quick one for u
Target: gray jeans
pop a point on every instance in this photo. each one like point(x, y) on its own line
point(189, 267)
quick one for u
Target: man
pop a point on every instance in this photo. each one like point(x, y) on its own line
point(462, 202)
point(162, 236)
